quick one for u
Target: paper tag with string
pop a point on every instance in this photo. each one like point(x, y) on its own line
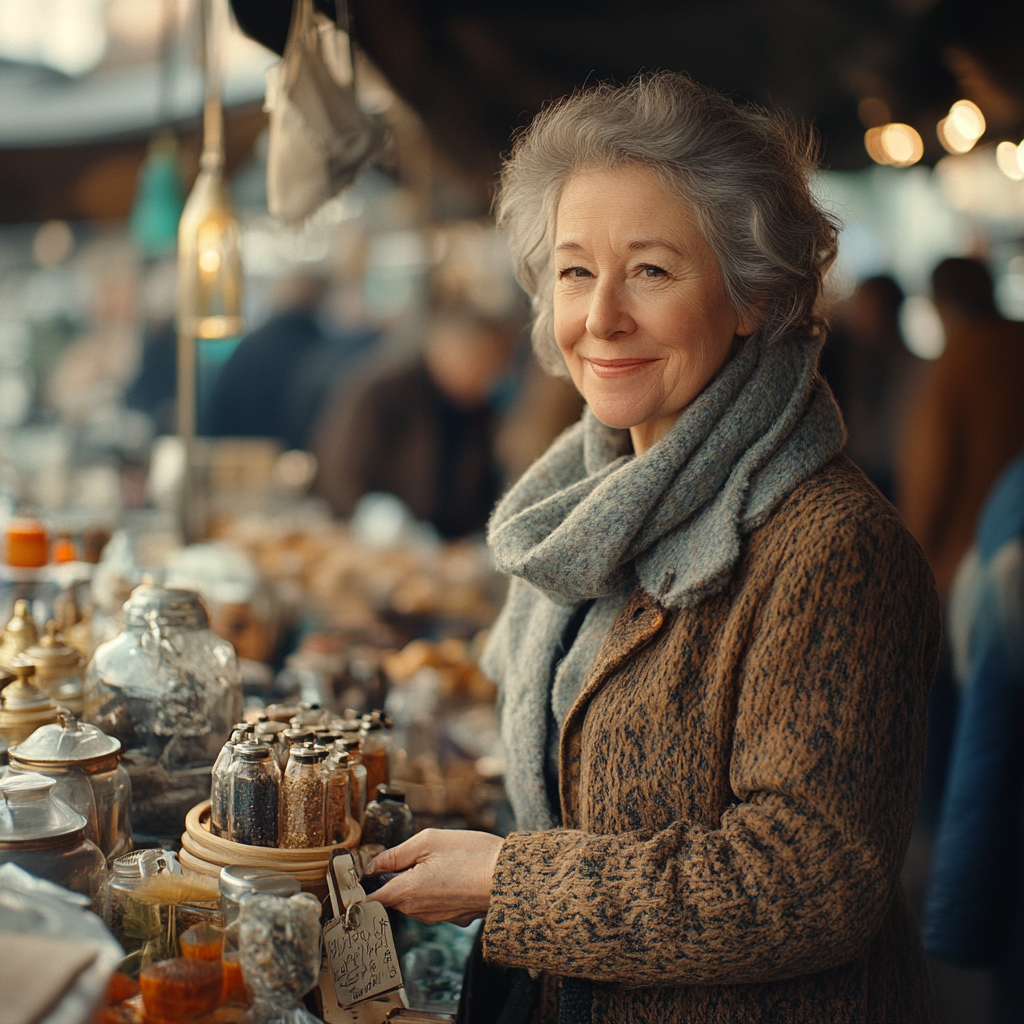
point(359, 942)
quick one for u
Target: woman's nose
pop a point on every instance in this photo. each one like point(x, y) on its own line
point(608, 318)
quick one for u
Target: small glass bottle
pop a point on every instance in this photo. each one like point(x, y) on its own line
point(255, 791)
point(356, 777)
point(293, 737)
point(302, 798)
point(339, 810)
point(388, 820)
point(220, 785)
point(376, 751)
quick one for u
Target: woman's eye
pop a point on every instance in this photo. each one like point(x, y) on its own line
point(649, 270)
point(574, 272)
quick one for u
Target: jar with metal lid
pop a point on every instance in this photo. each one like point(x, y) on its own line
point(59, 669)
point(338, 808)
point(24, 707)
point(376, 750)
point(46, 836)
point(85, 764)
point(237, 881)
point(356, 776)
point(388, 820)
point(255, 786)
point(19, 634)
point(302, 798)
point(220, 781)
point(295, 736)
point(169, 689)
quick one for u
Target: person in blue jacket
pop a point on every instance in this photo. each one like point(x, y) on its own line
point(974, 912)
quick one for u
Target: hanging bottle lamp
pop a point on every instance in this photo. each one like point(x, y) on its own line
point(209, 263)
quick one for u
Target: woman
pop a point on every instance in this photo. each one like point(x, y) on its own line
point(718, 640)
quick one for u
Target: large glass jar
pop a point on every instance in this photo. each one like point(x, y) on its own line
point(169, 689)
point(255, 788)
point(85, 764)
point(46, 836)
point(302, 798)
point(237, 881)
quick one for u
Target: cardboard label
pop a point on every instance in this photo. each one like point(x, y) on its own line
point(362, 954)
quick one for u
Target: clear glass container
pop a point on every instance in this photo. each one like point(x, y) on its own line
point(59, 669)
point(302, 798)
point(339, 810)
point(220, 782)
point(388, 820)
point(169, 689)
point(376, 750)
point(85, 764)
point(235, 882)
point(255, 787)
point(293, 736)
point(46, 836)
point(24, 707)
point(356, 777)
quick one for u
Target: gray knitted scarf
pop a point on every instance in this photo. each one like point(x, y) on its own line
point(590, 521)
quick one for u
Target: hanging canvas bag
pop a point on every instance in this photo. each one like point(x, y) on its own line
point(319, 136)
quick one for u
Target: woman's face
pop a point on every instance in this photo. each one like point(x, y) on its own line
point(641, 314)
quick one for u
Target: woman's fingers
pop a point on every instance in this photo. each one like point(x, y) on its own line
point(400, 857)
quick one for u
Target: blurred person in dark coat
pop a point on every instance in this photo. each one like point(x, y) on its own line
point(275, 382)
point(974, 914)
point(967, 421)
point(872, 374)
point(424, 430)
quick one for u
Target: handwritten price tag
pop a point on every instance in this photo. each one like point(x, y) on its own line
point(362, 955)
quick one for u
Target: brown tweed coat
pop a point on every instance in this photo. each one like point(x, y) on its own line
point(738, 784)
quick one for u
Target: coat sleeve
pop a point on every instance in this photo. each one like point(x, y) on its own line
point(827, 754)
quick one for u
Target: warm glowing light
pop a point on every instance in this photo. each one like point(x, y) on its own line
point(1008, 157)
point(961, 128)
point(209, 261)
point(896, 144)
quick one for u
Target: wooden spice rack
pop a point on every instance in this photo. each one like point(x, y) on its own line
point(206, 853)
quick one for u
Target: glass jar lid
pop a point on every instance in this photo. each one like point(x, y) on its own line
point(30, 812)
point(66, 742)
point(297, 736)
point(143, 863)
point(308, 753)
point(151, 604)
point(236, 880)
point(52, 653)
point(252, 751)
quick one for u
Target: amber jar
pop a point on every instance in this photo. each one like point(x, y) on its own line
point(302, 798)
point(356, 777)
point(376, 751)
point(339, 811)
point(28, 547)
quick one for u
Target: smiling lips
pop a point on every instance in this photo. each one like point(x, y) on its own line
point(608, 369)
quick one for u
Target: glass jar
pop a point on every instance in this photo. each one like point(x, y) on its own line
point(292, 737)
point(356, 777)
point(220, 783)
point(339, 811)
point(376, 751)
point(255, 788)
point(303, 798)
point(86, 766)
point(24, 707)
point(142, 927)
point(46, 836)
point(388, 820)
point(169, 689)
point(59, 669)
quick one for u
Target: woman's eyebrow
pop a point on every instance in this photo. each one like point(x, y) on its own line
point(569, 246)
point(652, 243)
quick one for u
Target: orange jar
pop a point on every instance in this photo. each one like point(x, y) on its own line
point(28, 547)
point(234, 984)
point(202, 942)
point(64, 550)
point(181, 988)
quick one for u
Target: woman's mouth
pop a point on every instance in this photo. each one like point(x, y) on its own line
point(611, 368)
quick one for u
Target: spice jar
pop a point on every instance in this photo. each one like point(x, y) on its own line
point(338, 811)
point(376, 751)
point(169, 689)
point(279, 948)
point(28, 547)
point(388, 820)
point(46, 836)
point(24, 707)
point(302, 798)
point(59, 671)
point(220, 784)
point(356, 777)
point(255, 786)
point(85, 764)
point(19, 634)
point(292, 737)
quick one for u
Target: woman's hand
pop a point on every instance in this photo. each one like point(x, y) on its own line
point(446, 875)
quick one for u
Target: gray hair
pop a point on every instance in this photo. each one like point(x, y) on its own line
point(743, 170)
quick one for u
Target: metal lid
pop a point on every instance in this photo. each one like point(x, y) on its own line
point(19, 634)
point(300, 735)
point(269, 728)
point(143, 863)
point(351, 745)
point(24, 696)
point(52, 653)
point(30, 812)
point(386, 792)
point(151, 604)
point(252, 751)
point(309, 753)
point(236, 880)
point(66, 742)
